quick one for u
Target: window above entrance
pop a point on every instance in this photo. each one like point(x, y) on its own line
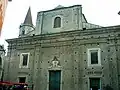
point(94, 57)
point(24, 60)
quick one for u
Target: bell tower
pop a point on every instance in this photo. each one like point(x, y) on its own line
point(27, 27)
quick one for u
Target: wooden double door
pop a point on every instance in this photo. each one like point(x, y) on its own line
point(54, 80)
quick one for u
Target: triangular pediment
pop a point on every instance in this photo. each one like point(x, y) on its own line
point(59, 6)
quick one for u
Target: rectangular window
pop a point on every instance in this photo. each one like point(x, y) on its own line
point(25, 59)
point(22, 79)
point(94, 84)
point(94, 56)
point(119, 81)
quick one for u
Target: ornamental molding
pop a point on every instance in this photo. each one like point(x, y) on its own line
point(55, 64)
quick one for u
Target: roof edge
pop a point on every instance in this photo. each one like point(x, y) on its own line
point(60, 8)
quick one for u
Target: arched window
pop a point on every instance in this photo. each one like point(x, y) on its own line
point(57, 22)
point(23, 32)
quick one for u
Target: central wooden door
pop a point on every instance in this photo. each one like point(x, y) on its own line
point(54, 80)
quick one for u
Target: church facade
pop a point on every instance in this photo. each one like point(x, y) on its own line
point(64, 52)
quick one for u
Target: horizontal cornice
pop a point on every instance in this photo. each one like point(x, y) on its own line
point(67, 35)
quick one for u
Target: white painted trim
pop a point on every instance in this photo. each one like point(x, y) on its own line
point(89, 56)
point(94, 77)
point(61, 21)
point(21, 61)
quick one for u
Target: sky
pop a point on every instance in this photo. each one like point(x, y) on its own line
point(99, 12)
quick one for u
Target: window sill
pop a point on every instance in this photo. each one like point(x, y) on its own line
point(23, 67)
point(57, 28)
point(94, 65)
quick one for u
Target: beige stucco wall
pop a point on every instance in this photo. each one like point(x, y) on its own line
point(71, 51)
point(71, 20)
